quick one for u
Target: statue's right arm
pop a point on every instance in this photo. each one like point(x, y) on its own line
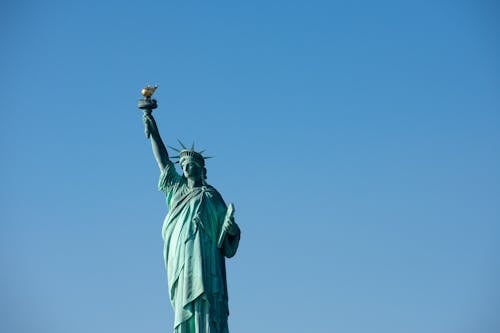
point(159, 149)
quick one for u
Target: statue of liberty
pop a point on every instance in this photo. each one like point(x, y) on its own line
point(199, 232)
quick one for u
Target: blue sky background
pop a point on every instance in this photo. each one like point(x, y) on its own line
point(359, 141)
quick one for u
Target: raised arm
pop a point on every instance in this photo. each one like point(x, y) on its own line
point(159, 149)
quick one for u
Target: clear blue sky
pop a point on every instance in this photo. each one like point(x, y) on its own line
point(359, 141)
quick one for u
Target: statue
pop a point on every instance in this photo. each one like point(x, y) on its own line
point(199, 232)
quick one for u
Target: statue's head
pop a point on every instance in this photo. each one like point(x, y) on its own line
point(192, 162)
point(193, 165)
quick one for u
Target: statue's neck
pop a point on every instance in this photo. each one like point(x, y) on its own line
point(192, 183)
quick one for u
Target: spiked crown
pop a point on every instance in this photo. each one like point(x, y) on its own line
point(190, 154)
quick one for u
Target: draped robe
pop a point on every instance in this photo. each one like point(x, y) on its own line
point(195, 266)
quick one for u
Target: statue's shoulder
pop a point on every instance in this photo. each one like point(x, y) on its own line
point(213, 191)
point(209, 188)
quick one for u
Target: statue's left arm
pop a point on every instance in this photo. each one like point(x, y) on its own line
point(232, 239)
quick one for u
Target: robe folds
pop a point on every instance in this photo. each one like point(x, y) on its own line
point(195, 266)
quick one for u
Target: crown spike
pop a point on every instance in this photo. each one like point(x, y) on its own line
point(191, 153)
point(182, 145)
point(177, 150)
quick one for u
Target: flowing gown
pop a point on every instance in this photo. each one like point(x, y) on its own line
point(195, 266)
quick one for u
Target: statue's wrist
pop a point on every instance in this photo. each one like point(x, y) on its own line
point(234, 231)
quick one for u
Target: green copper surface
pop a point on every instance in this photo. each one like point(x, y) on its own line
point(199, 232)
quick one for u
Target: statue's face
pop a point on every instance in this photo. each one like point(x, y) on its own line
point(192, 170)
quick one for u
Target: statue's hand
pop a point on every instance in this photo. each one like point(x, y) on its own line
point(230, 227)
